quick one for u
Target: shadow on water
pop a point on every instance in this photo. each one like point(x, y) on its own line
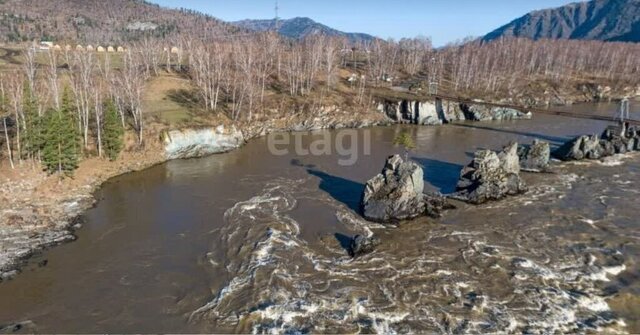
point(442, 175)
point(344, 240)
point(553, 139)
point(346, 191)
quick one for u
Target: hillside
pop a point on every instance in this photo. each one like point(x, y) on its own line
point(300, 27)
point(605, 20)
point(99, 21)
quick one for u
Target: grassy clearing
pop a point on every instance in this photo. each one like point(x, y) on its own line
point(167, 100)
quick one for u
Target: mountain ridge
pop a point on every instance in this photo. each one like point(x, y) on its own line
point(99, 21)
point(604, 20)
point(299, 28)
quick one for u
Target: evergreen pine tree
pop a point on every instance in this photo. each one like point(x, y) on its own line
point(112, 133)
point(61, 148)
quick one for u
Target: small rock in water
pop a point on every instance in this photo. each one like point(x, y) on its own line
point(536, 157)
point(17, 327)
point(362, 245)
point(436, 203)
point(491, 176)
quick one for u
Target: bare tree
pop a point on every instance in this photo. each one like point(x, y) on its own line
point(206, 71)
point(330, 55)
point(3, 97)
point(98, 112)
point(150, 52)
point(30, 67)
point(82, 77)
point(52, 76)
point(131, 82)
point(15, 89)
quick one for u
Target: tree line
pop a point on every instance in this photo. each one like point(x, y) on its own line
point(234, 75)
point(60, 107)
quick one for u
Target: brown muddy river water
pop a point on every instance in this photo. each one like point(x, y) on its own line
point(253, 242)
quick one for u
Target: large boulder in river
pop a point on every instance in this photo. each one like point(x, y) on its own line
point(535, 158)
point(396, 194)
point(583, 147)
point(491, 176)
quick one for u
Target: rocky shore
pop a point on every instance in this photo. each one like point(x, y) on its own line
point(444, 111)
point(38, 211)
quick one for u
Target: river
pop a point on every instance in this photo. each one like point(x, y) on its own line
point(249, 241)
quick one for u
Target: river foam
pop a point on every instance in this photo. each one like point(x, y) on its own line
point(280, 282)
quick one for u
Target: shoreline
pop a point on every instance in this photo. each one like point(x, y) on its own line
point(43, 217)
point(32, 227)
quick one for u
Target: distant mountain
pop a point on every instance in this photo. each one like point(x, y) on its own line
point(101, 21)
point(605, 20)
point(300, 27)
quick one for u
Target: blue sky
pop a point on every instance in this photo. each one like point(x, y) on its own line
point(443, 20)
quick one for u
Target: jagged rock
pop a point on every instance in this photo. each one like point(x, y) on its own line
point(583, 147)
point(536, 157)
point(449, 110)
point(484, 113)
point(491, 176)
point(362, 245)
point(427, 114)
point(396, 194)
point(614, 140)
point(436, 204)
point(192, 143)
point(633, 137)
point(430, 121)
point(501, 113)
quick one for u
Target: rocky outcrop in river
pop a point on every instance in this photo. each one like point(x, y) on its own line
point(441, 111)
point(583, 147)
point(192, 143)
point(615, 140)
point(396, 194)
point(535, 158)
point(491, 176)
point(480, 112)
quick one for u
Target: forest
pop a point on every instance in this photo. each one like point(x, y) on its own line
point(59, 107)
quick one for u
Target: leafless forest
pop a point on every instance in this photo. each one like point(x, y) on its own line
point(240, 76)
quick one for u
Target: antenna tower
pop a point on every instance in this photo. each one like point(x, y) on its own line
point(277, 19)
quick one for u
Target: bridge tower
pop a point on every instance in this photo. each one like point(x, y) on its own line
point(433, 78)
point(277, 18)
point(624, 110)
